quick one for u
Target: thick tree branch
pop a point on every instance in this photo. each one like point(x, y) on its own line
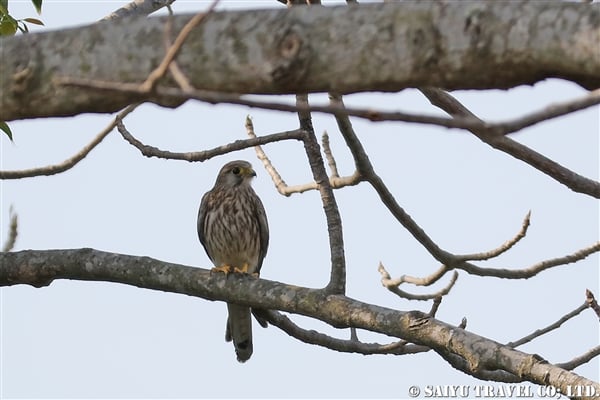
point(41, 268)
point(400, 45)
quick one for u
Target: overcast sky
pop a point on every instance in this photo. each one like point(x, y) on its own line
point(84, 339)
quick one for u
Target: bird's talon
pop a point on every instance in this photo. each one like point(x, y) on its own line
point(226, 269)
point(243, 270)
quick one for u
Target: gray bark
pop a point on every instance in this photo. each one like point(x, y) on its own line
point(478, 355)
point(377, 47)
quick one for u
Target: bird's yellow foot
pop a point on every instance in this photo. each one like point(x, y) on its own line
point(226, 269)
point(243, 270)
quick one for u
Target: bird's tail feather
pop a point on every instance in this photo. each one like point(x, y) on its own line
point(239, 329)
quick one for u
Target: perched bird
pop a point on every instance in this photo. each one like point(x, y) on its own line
point(233, 228)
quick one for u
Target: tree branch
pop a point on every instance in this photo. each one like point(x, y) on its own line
point(393, 284)
point(582, 359)
point(283, 188)
point(11, 239)
point(41, 268)
point(337, 280)
point(551, 327)
point(294, 49)
point(591, 302)
point(540, 162)
point(486, 255)
point(533, 270)
point(72, 161)
point(150, 151)
point(174, 49)
point(138, 7)
point(346, 346)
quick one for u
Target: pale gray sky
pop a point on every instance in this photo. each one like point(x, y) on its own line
point(82, 339)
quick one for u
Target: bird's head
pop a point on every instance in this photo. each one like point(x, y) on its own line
point(236, 173)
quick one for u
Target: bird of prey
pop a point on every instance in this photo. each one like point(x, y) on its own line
point(233, 228)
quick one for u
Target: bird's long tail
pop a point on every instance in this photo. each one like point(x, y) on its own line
point(239, 329)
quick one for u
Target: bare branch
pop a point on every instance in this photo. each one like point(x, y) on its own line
point(138, 7)
point(551, 327)
point(174, 69)
point(337, 280)
point(160, 71)
point(150, 151)
point(591, 302)
point(572, 180)
point(40, 268)
point(582, 359)
point(329, 156)
point(435, 306)
point(280, 184)
point(365, 169)
point(393, 284)
point(11, 239)
point(72, 161)
point(347, 346)
point(533, 270)
point(482, 130)
point(503, 248)
point(306, 69)
point(171, 95)
point(550, 112)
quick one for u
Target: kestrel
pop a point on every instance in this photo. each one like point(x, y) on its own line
point(233, 228)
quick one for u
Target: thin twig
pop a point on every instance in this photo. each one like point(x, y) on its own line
point(533, 270)
point(337, 280)
point(367, 172)
point(281, 186)
point(279, 320)
point(150, 151)
point(572, 180)
point(437, 301)
point(591, 302)
point(493, 130)
point(551, 327)
point(150, 83)
point(72, 161)
point(11, 239)
point(169, 95)
point(329, 156)
point(138, 7)
point(174, 69)
point(580, 360)
point(504, 247)
point(393, 285)
point(552, 111)
point(262, 156)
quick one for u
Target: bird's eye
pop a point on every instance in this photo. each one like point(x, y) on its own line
point(236, 171)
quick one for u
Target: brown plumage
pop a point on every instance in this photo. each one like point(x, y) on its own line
point(233, 228)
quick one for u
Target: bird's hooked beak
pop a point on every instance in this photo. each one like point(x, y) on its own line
point(247, 172)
